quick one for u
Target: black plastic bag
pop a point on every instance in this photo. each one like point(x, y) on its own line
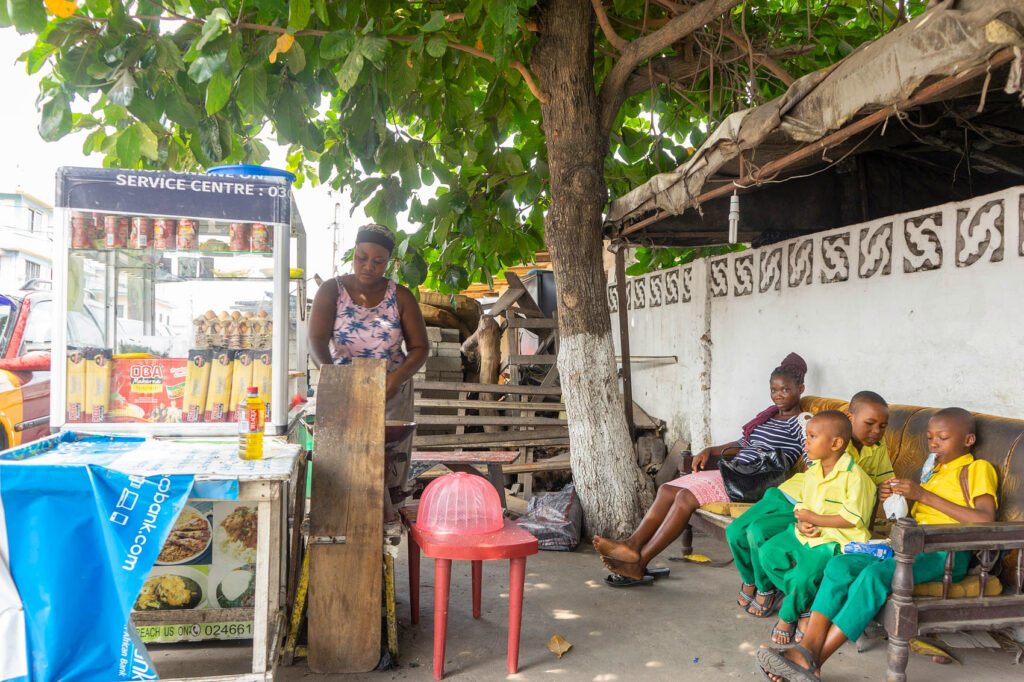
point(748, 481)
point(556, 520)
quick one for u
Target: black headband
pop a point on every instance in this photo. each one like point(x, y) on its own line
point(375, 236)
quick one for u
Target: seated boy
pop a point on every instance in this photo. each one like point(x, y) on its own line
point(836, 504)
point(855, 586)
point(869, 417)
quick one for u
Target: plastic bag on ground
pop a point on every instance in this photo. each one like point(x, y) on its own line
point(556, 520)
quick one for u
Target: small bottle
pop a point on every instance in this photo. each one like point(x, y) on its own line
point(251, 413)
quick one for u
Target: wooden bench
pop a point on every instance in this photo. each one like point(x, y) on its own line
point(906, 614)
point(463, 460)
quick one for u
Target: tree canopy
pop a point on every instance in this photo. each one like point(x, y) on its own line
point(427, 107)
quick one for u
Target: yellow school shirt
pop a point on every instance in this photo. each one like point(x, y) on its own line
point(945, 482)
point(848, 492)
point(873, 459)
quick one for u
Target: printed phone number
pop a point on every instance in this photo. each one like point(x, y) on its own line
point(150, 633)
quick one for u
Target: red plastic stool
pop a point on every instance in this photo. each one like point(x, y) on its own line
point(511, 542)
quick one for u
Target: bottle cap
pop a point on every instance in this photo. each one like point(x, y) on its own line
point(252, 390)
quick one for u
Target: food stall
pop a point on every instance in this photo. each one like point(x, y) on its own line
point(190, 279)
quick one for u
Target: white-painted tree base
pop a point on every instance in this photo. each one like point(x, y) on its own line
point(614, 491)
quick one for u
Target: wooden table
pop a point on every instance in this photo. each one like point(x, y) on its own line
point(463, 460)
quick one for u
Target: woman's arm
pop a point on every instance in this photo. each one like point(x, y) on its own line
point(414, 331)
point(984, 509)
point(700, 460)
point(321, 322)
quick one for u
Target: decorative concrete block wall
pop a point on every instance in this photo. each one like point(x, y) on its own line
point(925, 307)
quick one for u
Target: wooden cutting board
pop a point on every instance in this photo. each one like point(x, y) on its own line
point(347, 499)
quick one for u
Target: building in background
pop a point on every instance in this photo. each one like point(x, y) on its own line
point(26, 240)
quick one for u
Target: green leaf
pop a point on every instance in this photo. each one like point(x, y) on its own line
point(218, 92)
point(456, 277)
point(349, 72)
point(374, 48)
point(180, 110)
point(296, 59)
point(205, 65)
point(168, 56)
point(414, 270)
point(36, 57)
point(56, 118)
point(212, 27)
point(28, 16)
point(209, 139)
point(321, 10)
point(149, 145)
point(336, 45)
point(435, 23)
point(123, 89)
point(128, 147)
point(74, 66)
point(298, 14)
point(252, 93)
point(437, 45)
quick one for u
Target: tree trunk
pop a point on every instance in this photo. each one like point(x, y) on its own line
point(613, 490)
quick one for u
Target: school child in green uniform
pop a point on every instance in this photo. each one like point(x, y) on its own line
point(835, 508)
point(959, 489)
point(869, 417)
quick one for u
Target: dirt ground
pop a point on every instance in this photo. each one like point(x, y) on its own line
point(686, 626)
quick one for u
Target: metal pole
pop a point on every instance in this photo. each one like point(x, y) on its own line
point(627, 378)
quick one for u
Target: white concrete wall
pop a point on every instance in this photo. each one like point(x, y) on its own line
point(926, 308)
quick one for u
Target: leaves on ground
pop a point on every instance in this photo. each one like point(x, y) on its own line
point(699, 558)
point(919, 646)
point(558, 646)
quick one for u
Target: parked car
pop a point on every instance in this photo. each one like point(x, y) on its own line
point(26, 322)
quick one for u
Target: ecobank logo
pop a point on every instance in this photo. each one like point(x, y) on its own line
point(126, 503)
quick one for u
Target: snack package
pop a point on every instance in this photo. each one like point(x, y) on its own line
point(76, 385)
point(219, 396)
point(241, 380)
point(97, 384)
point(197, 383)
point(879, 550)
point(147, 389)
point(261, 376)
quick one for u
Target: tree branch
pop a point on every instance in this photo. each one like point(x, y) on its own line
point(613, 89)
point(606, 27)
point(517, 65)
point(759, 57)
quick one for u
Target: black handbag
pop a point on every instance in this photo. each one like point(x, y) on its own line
point(748, 481)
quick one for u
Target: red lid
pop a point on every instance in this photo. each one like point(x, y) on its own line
point(252, 390)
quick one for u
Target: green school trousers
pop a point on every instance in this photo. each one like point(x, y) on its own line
point(769, 517)
point(796, 569)
point(855, 586)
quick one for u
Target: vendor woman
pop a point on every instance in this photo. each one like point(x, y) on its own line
point(365, 315)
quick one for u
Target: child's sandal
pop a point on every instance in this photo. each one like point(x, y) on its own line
point(768, 607)
point(799, 632)
point(785, 637)
point(744, 600)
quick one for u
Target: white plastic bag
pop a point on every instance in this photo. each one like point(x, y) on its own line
point(895, 507)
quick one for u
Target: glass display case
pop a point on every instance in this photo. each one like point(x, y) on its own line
point(184, 283)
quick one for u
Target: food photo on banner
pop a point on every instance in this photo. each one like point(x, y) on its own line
point(77, 544)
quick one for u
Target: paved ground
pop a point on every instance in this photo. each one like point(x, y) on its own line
point(686, 626)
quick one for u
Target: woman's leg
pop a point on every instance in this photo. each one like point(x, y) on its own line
point(670, 528)
point(629, 549)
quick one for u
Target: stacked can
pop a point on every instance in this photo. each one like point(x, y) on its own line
point(118, 228)
point(163, 234)
point(260, 238)
point(239, 237)
point(188, 237)
point(142, 233)
point(81, 230)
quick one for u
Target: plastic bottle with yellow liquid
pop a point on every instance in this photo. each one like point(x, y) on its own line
point(251, 413)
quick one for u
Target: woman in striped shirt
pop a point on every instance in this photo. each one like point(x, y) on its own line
point(775, 429)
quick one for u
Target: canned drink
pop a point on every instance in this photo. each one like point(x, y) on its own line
point(260, 240)
point(117, 229)
point(142, 231)
point(163, 234)
point(97, 237)
point(239, 237)
point(188, 239)
point(81, 230)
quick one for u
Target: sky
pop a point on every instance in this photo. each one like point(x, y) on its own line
point(30, 164)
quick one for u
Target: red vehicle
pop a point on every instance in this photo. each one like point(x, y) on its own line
point(26, 322)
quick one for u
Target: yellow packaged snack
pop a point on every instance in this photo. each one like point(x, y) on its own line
point(197, 383)
point(220, 386)
point(241, 380)
point(97, 384)
point(261, 375)
point(75, 396)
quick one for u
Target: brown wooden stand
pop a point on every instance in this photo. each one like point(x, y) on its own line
point(346, 519)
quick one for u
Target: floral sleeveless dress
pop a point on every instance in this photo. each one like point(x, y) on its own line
point(367, 332)
point(377, 333)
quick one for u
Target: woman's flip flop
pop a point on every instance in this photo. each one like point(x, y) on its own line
point(616, 580)
point(773, 661)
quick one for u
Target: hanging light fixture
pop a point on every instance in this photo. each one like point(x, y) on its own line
point(734, 217)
